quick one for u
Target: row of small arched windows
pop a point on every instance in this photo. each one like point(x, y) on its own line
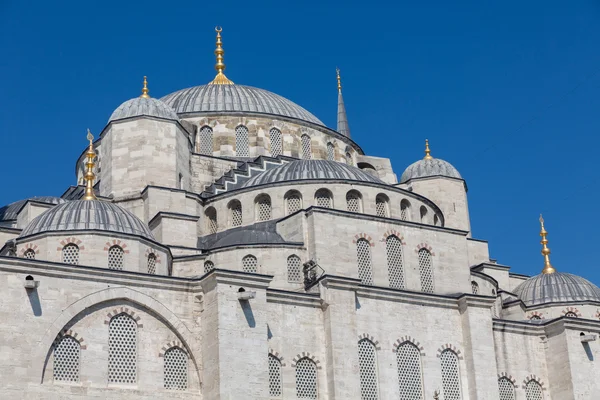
point(250, 264)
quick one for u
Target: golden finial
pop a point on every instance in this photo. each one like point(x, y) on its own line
point(145, 90)
point(220, 79)
point(339, 79)
point(427, 151)
point(548, 268)
point(89, 173)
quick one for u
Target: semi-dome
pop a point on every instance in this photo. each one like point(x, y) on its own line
point(311, 169)
point(95, 215)
point(557, 287)
point(429, 166)
point(230, 98)
point(141, 106)
point(10, 211)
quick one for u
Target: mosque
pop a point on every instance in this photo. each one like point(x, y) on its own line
point(222, 243)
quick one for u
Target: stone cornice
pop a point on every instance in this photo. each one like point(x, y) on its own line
point(235, 278)
point(481, 266)
point(293, 298)
point(408, 297)
point(171, 215)
point(519, 327)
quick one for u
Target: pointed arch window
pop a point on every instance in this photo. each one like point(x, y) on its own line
point(263, 207)
point(405, 210)
point(294, 269)
point(152, 263)
point(426, 271)
point(276, 142)
point(354, 201)
point(450, 375)
point(235, 213)
point(115, 257)
point(306, 147)
point(175, 369)
point(211, 220)
point(367, 365)
point(242, 142)
point(293, 202)
point(423, 212)
point(29, 254)
point(323, 198)
point(474, 287)
point(410, 376)
point(66, 359)
point(306, 379)
point(275, 386)
point(506, 389)
point(330, 152)
point(533, 391)
point(393, 247)
point(381, 205)
point(70, 254)
point(365, 268)
point(249, 264)
point(122, 349)
point(206, 140)
point(349, 159)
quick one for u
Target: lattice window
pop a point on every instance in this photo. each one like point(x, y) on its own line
point(122, 349)
point(365, 269)
point(30, 254)
point(404, 210)
point(306, 379)
point(450, 375)
point(275, 387)
point(323, 198)
point(408, 359)
point(381, 206)
point(249, 264)
point(208, 266)
point(533, 391)
point(293, 202)
point(353, 201)
point(506, 389)
point(211, 220)
point(570, 314)
point(367, 364)
point(115, 257)
point(66, 359)
point(426, 271)
point(176, 369)
point(293, 269)
point(151, 263)
point(263, 208)
point(70, 254)
point(206, 140)
point(349, 159)
point(306, 147)
point(474, 287)
point(330, 152)
point(242, 142)
point(276, 142)
point(535, 317)
point(235, 210)
point(393, 247)
point(423, 212)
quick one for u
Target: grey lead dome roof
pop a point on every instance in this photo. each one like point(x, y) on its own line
point(224, 98)
point(9, 212)
point(139, 106)
point(311, 169)
point(88, 215)
point(432, 167)
point(556, 288)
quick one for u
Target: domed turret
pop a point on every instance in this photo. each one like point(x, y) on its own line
point(143, 106)
point(429, 166)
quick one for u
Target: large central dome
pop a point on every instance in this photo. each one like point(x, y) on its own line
point(212, 99)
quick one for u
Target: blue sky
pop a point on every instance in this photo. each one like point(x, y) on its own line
point(507, 92)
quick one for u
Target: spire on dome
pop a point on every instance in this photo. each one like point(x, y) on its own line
point(342, 119)
point(220, 79)
point(89, 173)
point(427, 151)
point(548, 268)
point(145, 90)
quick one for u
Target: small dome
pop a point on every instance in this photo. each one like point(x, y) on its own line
point(9, 212)
point(88, 215)
point(143, 106)
point(311, 169)
point(558, 287)
point(429, 167)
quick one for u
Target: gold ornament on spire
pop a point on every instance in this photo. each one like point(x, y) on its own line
point(89, 173)
point(427, 151)
point(220, 79)
point(548, 268)
point(145, 90)
point(339, 80)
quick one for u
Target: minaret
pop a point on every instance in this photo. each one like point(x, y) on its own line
point(145, 90)
point(89, 176)
point(342, 119)
point(548, 268)
point(220, 79)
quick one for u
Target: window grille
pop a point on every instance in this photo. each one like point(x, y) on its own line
point(393, 247)
point(367, 364)
point(423, 212)
point(211, 220)
point(242, 141)
point(249, 264)
point(294, 203)
point(353, 201)
point(115, 258)
point(208, 266)
point(323, 198)
point(408, 359)
point(570, 314)
point(30, 254)
point(151, 263)
point(70, 254)
point(381, 206)
point(122, 349)
point(330, 152)
point(235, 209)
point(450, 376)
point(474, 287)
point(176, 369)
point(264, 208)
point(274, 377)
point(349, 159)
point(294, 270)
point(404, 210)
point(533, 391)
point(276, 142)
point(506, 389)
point(66, 359)
point(306, 148)
point(365, 270)
point(306, 379)
point(206, 140)
point(535, 317)
point(426, 271)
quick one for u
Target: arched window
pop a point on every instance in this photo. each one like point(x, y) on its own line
point(426, 271)
point(423, 212)
point(570, 314)
point(242, 141)
point(450, 375)
point(353, 201)
point(30, 254)
point(535, 317)
point(323, 198)
point(275, 387)
point(181, 181)
point(249, 264)
point(276, 142)
point(211, 220)
point(122, 349)
point(293, 269)
point(176, 369)
point(533, 391)
point(66, 359)
point(408, 360)
point(474, 287)
point(393, 247)
point(151, 263)
point(405, 210)
point(436, 220)
point(235, 213)
point(208, 266)
point(365, 269)
point(263, 207)
point(506, 389)
point(330, 152)
point(115, 257)
point(367, 366)
point(206, 140)
point(70, 254)
point(306, 147)
point(349, 159)
point(306, 379)
point(293, 201)
point(381, 205)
